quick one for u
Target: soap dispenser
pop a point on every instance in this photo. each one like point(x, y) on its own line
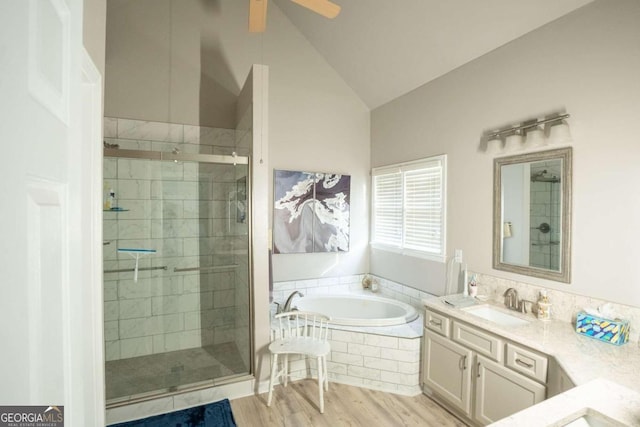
point(112, 199)
point(544, 306)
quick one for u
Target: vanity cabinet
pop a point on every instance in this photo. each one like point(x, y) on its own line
point(478, 375)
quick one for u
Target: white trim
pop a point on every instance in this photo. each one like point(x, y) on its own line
point(407, 165)
point(92, 124)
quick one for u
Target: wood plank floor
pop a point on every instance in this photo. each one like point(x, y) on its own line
point(297, 406)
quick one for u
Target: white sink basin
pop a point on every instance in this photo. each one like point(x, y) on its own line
point(592, 418)
point(496, 316)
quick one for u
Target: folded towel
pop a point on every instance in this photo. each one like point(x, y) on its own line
point(460, 300)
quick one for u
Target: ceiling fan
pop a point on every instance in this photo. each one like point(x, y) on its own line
point(258, 11)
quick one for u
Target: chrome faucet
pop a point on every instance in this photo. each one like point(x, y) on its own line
point(287, 304)
point(512, 302)
point(511, 299)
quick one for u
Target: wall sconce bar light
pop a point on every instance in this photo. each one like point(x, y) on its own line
point(525, 126)
point(528, 134)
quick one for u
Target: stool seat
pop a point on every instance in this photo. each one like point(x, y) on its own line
point(300, 345)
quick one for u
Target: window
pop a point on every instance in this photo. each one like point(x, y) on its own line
point(408, 208)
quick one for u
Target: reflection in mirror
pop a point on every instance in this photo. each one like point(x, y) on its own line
point(532, 205)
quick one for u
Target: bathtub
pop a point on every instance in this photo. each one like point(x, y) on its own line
point(358, 310)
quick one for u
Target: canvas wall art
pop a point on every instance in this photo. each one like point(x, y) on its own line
point(311, 212)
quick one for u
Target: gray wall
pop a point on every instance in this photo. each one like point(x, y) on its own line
point(586, 63)
point(94, 31)
point(193, 74)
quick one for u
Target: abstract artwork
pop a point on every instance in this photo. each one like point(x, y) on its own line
point(311, 212)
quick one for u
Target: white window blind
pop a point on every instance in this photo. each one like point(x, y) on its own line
point(408, 207)
point(388, 208)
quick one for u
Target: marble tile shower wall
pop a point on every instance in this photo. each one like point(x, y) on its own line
point(545, 209)
point(157, 136)
point(182, 211)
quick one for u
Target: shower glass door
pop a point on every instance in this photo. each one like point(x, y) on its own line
point(176, 281)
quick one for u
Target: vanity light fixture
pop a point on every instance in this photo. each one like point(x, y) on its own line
point(534, 137)
point(559, 133)
point(534, 134)
point(514, 142)
point(494, 145)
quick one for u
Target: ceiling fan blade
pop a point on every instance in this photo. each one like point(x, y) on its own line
point(322, 7)
point(257, 16)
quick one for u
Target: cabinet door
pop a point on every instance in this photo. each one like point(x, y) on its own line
point(500, 392)
point(447, 370)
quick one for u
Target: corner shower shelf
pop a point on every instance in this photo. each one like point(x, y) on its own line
point(115, 210)
point(136, 253)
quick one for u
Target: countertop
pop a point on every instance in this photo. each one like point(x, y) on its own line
point(619, 404)
point(584, 360)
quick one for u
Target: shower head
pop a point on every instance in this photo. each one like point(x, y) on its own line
point(543, 177)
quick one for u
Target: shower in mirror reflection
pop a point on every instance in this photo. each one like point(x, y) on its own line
point(544, 176)
point(545, 215)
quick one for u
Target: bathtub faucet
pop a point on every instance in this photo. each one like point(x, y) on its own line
point(287, 305)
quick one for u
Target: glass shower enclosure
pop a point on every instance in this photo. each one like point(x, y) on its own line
point(176, 271)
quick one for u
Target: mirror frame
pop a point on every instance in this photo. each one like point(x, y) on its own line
point(566, 155)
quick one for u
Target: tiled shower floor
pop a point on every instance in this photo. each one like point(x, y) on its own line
point(127, 377)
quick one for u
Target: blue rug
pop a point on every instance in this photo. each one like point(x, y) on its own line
point(217, 414)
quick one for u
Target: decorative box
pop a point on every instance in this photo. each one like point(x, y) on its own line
point(610, 331)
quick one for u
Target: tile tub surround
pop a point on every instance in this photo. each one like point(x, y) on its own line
point(379, 358)
point(365, 357)
point(583, 359)
point(349, 284)
point(565, 305)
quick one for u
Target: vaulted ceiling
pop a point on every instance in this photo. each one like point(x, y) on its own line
point(386, 48)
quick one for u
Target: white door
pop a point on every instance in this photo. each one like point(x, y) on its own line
point(50, 272)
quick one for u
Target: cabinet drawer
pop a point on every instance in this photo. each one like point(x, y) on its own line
point(437, 323)
point(527, 362)
point(482, 342)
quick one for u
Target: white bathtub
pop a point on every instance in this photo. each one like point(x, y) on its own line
point(357, 310)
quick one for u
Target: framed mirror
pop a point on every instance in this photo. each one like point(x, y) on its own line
point(532, 214)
